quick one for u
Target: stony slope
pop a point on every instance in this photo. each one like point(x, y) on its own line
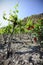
point(24, 52)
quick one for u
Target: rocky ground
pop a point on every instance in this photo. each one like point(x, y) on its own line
point(23, 51)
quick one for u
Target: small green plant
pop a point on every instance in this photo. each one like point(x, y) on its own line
point(13, 17)
point(39, 30)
